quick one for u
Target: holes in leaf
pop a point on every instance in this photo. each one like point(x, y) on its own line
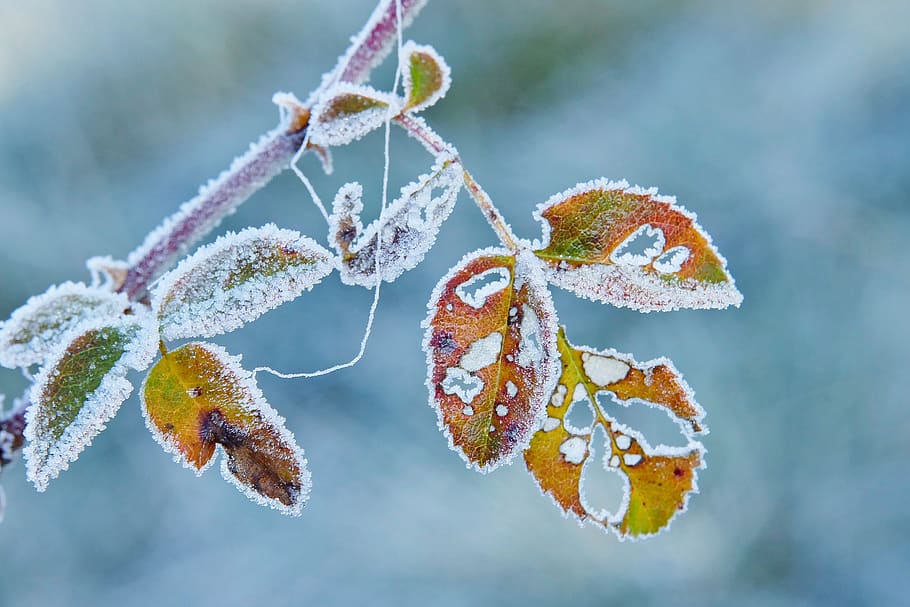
point(640, 247)
point(462, 383)
point(602, 489)
point(475, 291)
point(655, 423)
point(672, 260)
point(580, 416)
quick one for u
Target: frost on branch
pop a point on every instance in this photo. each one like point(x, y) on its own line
point(658, 480)
point(491, 353)
point(630, 247)
point(37, 328)
point(409, 226)
point(198, 398)
point(427, 78)
point(236, 279)
point(80, 389)
point(348, 112)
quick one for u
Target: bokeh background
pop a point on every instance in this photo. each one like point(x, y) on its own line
point(784, 124)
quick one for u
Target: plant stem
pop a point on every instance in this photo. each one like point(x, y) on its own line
point(434, 144)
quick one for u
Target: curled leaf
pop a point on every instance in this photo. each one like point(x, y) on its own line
point(37, 328)
point(80, 389)
point(348, 112)
point(427, 78)
point(658, 480)
point(198, 398)
point(236, 279)
point(491, 354)
point(632, 248)
point(409, 225)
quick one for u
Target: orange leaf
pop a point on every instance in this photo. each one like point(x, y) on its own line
point(491, 354)
point(198, 398)
point(632, 248)
point(658, 479)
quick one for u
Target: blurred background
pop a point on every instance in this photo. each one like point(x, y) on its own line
point(784, 124)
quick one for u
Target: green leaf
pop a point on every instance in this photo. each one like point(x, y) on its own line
point(427, 78)
point(37, 328)
point(198, 398)
point(236, 279)
point(80, 390)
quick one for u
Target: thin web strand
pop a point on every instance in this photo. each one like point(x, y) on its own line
point(385, 195)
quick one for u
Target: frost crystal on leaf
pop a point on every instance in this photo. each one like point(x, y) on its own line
point(80, 389)
point(236, 279)
point(632, 248)
point(427, 78)
point(658, 480)
point(107, 272)
point(348, 112)
point(409, 225)
point(198, 399)
point(38, 327)
point(491, 354)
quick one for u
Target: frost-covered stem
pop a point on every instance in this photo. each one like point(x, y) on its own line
point(264, 161)
point(436, 145)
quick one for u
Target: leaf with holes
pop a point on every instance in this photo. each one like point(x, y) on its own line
point(427, 78)
point(491, 354)
point(236, 279)
point(198, 398)
point(632, 248)
point(348, 112)
point(81, 388)
point(37, 328)
point(658, 480)
point(409, 225)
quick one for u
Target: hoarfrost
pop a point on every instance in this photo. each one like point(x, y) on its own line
point(574, 449)
point(38, 327)
point(640, 247)
point(672, 260)
point(484, 284)
point(236, 279)
point(550, 424)
point(603, 370)
point(482, 353)
point(106, 272)
point(50, 450)
point(407, 229)
point(530, 350)
point(349, 111)
point(460, 382)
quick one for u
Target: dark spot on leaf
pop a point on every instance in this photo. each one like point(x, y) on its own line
point(678, 472)
point(444, 343)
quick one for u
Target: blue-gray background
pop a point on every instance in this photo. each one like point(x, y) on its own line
point(785, 125)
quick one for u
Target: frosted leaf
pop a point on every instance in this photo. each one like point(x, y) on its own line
point(657, 480)
point(491, 358)
point(80, 389)
point(107, 272)
point(632, 248)
point(37, 328)
point(348, 112)
point(410, 225)
point(198, 399)
point(236, 279)
point(427, 78)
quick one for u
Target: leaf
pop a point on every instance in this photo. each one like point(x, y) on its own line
point(81, 388)
point(427, 78)
point(236, 279)
point(37, 328)
point(197, 398)
point(409, 225)
point(632, 248)
point(491, 354)
point(658, 480)
point(348, 112)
